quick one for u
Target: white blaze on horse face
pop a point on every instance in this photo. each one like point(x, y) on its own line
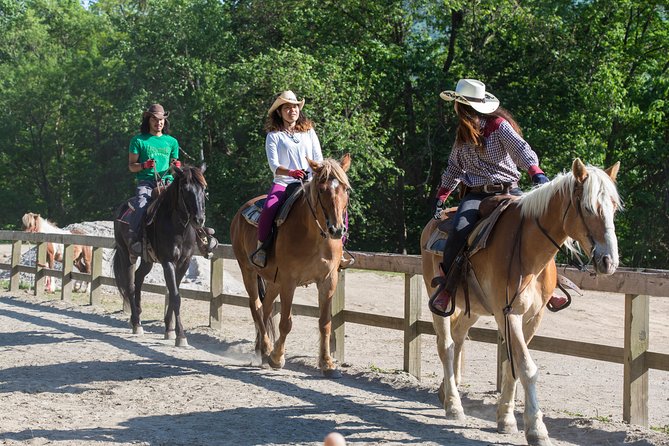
point(606, 253)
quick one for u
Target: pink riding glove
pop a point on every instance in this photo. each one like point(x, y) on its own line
point(298, 174)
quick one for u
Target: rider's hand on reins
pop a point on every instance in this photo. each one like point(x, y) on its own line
point(148, 164)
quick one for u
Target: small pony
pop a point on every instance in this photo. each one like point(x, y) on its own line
point(514, 275)
point(54, 252)
point(308, 249)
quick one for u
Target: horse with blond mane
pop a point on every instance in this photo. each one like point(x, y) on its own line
point(514, 275)
point(54, 252)
point(308, 249)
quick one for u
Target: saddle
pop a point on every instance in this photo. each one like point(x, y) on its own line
point(252, 213)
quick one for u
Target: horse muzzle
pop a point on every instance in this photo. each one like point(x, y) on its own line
point(605, 263)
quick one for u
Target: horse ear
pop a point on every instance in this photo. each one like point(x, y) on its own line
point(345, 162)
point(612, 171)
point(315, 165)
point(579, 170)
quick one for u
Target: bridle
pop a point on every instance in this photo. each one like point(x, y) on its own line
point(578, 263)
point(313, 212)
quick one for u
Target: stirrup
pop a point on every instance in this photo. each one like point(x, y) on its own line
point(259, 258)
point(440, 282)
point(346, 262)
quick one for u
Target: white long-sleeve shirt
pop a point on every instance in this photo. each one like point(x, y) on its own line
point(283, 150)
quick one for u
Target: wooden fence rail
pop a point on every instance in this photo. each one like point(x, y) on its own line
point(637, 285)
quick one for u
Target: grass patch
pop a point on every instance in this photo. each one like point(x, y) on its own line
point(573, 414)
point(603, 419)
point(661, 429)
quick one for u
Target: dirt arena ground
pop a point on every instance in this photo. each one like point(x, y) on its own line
point(72, 374)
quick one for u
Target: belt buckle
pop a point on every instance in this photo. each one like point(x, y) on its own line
point(493, 188)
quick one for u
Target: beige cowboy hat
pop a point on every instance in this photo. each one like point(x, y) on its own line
point(157, 111)
point(286, 97)
point(472, 92)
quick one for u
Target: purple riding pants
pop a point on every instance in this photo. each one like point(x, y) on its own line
point(275, 198)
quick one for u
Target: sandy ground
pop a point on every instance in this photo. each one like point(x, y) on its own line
point(72, 374)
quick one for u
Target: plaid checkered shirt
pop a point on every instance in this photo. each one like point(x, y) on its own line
point(505, 151)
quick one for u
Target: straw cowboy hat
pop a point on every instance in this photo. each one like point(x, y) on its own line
point(472, 92)
point(157, 111)
point(286, 97)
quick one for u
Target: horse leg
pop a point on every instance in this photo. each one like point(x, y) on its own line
point(460, 325)
point(50, 262)
point(136, 295)
point(527, 371)
point(325, 291)
point(446, 349)
point(277, 359)
point(174, 305)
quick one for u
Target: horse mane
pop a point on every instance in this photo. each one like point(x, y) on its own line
point(599, 191)
point(329, 167)
point(190, 174)
point(36, 223)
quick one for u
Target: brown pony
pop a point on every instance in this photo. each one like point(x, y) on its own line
point(54, 252)
point(513, 277)
point(304, 253)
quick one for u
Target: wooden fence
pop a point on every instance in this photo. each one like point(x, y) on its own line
point(636, 285)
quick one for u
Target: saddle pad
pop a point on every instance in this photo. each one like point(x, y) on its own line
point(252, 213)
point(437, 242)
point(478, 238)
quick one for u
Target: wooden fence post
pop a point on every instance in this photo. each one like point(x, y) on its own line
point(15, 277)
point(40, 259)
point(96, 273)
point(66, 276)
point(216, 286)
point(635, 378)
point(337, 335)
point(413, 285)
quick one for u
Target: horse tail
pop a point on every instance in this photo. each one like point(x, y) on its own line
point(121, 274)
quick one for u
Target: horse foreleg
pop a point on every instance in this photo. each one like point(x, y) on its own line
point(326, 290)
point(446, 350)
point(173, 306)
point(136, 295)
point(277, 359)
point(527, 371)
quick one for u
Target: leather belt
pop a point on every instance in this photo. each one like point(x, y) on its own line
point(492, 188)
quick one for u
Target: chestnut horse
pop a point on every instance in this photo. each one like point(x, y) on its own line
point(513, 277)
point(304, 253)
point(54, 252)
point(179, 209)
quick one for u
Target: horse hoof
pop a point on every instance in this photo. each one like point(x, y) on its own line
point(138, 330)
point(455, 413)
point(537, 440)
point(274, 364)
point(181, 342)
point(332, 373)
point(507, 427)
point(170, 335)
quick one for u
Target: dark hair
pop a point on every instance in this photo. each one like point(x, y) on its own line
point(469, 128)
point(144, 127)
point(274, 122)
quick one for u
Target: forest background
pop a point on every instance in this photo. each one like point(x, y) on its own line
point(583, 78)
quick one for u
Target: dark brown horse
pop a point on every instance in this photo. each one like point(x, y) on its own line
point(180, 208)
point(82, 255)
point(513, 277)
point(308, 249)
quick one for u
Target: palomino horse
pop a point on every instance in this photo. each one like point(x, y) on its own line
point(54, 252)
point(304, 253)
point(513, 277)
point(179, 209)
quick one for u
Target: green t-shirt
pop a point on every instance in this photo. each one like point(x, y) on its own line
point(160, 148)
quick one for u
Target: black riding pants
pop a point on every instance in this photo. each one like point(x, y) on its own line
point(465, 220)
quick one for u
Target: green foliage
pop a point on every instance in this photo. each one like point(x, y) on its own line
point(584, 79)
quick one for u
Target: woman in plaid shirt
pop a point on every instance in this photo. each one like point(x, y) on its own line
point(488, 152)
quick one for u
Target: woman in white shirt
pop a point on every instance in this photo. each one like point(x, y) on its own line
point(291, 139)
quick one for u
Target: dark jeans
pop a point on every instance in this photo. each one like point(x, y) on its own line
point(140, 202)
point(464, 222)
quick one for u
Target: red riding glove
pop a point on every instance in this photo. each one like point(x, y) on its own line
point(298, 174)
point(442, 196)
point(148, 164)
point(177, 163)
